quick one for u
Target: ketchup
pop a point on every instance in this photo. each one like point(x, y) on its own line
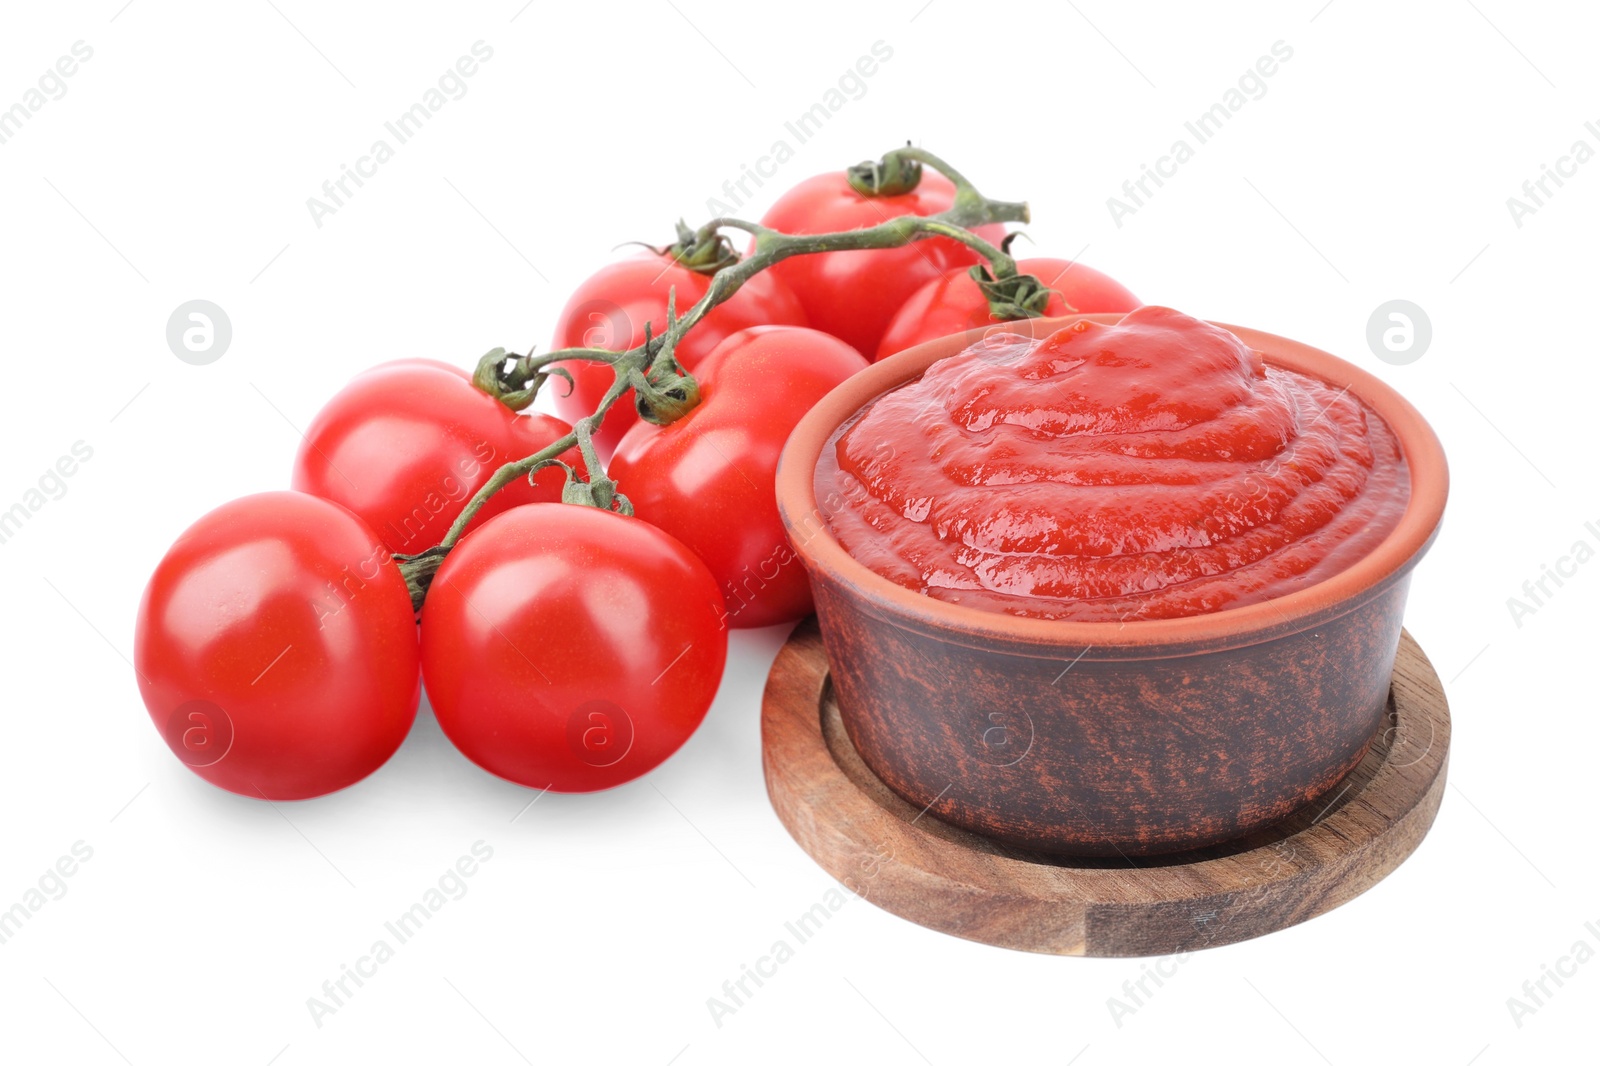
point(1152, 468)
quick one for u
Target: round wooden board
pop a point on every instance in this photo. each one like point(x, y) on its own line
point(934, 874)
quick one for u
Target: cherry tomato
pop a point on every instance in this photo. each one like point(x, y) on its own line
point(570, 648)
point(407, 443)
point(276, 648)
point(610, 311)
point(709, 478)
point(953, 303)
point(853, 294)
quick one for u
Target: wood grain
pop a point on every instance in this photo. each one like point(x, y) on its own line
point(911, 864)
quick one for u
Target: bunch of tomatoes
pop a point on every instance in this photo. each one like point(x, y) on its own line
point(564, 646)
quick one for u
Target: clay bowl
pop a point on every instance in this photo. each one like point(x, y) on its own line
point(1093, 738)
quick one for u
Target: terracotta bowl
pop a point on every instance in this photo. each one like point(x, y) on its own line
point(1093, 738)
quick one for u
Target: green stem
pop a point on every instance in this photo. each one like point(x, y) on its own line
point(663, 391)
point(967, 195)
point(774, 247)
point(419, 569)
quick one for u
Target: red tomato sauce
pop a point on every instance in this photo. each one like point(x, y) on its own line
point(1153, 468)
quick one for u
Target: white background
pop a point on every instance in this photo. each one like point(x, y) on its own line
point(177, 166)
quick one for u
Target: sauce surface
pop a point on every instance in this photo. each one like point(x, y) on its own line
point(1152, 468)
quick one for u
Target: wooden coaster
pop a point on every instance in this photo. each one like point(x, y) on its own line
point(911, 864)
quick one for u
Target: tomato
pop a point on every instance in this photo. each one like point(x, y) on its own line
point(953, 303)
point(610, 311)
point(407, 443)
point(709, 478)
point(854, 294)
point(571, 648)
point(276, 648)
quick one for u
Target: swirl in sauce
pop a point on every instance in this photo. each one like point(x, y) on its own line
point(1153, 468)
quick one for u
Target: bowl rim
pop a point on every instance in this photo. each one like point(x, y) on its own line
point(815, 543)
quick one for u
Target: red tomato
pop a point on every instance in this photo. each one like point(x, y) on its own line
point(407, 443)
point(571, 648)
point(953, 303)
point(708, 478)
point(852, 295)
point(610, 311)
point(276, 648)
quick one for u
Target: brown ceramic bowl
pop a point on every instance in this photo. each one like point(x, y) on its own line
point(1162, 735)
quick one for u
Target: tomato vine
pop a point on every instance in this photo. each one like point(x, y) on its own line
point(663, 391)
